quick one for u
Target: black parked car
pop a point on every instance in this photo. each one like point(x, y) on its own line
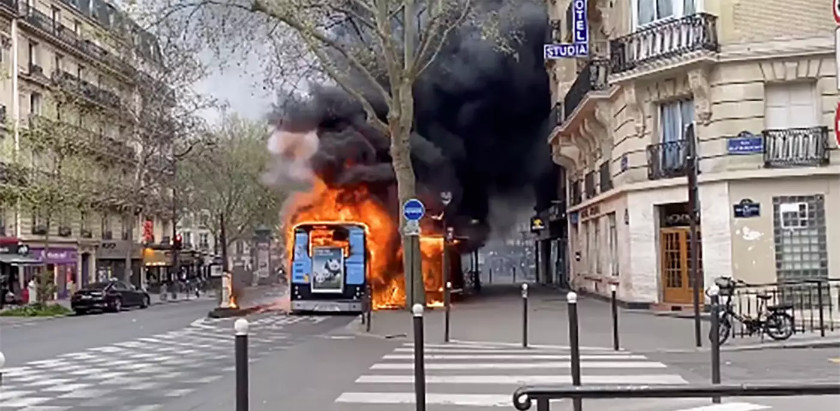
point(110, 295)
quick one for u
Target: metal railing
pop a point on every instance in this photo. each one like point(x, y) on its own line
point(814, 304)
point(86, 89)
point(592, 77)
point(796, 147)
point(525, 396)
point(667, 160)
point(664, 39)
point(43, 22)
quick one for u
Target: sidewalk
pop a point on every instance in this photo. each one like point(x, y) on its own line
point(496, 316)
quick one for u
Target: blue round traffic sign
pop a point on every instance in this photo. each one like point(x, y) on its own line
point(413, 210)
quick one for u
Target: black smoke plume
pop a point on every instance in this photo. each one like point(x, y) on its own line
point(480, 128)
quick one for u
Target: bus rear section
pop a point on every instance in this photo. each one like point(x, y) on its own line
point(329, 268)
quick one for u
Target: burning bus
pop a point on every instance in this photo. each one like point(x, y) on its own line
point(329, 267)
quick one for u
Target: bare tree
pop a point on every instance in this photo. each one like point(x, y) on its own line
point(376, 50)
point(225, 180)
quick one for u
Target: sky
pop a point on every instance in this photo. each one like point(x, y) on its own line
point(240, 90)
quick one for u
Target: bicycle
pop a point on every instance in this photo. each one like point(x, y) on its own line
point(772, 320)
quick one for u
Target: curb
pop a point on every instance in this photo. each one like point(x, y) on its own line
point(828, 343)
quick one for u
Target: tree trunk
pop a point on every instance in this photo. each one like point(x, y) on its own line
point(127, 272)
point(400, 120)
point(45, 281)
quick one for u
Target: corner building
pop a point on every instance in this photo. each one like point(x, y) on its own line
point(757, 80)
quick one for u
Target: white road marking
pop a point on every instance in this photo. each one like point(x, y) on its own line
point(500, 365)
point(524, 379)
point(731, 406)
point(513, 357)
point(475, 400)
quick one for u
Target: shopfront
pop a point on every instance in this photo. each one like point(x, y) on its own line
point(110, 260)
point(13, 257)
point(62, 262)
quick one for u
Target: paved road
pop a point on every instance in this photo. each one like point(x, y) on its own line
point(135, 361)
point(343, 372)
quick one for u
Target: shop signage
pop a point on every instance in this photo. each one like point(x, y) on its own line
point(580, 36)
point(116, 250)
point(746, 209)
point(745, 143)
point(57, 255)
point(537, 224)
point(20, 249)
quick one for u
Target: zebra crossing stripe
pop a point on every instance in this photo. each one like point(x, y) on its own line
point(513, 357)
point(508, 366)
point(731, 406)
point(475, 400)
point(652, 379)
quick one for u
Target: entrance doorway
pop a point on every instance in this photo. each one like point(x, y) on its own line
point(675, 255)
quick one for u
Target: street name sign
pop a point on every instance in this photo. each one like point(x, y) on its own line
point(580, 36)
point(413, 210)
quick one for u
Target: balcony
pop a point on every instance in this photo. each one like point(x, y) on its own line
point(593, 77)
point(667, 160)
point(663, 40)
point(86, 90)
point(9, 5)
point(43, 22)
point(796, 147)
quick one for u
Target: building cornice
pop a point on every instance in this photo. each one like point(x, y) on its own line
point(777, 49)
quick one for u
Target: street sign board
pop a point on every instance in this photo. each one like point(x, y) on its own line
point(580, 36)
point(837, 124)
point(412, 228)
point(413, 210)
point(836, 8)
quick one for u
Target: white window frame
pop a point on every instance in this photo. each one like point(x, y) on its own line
point(699, 6)
point(682, 125)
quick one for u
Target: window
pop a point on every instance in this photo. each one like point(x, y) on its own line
point(58, 60)
point(673, 119)
point(204, 240)
point(188, 238)
point(33, 53)
point(80, 72)
point(800, 238)
point(105, 226)
point(240, 247)
point(83, 220)
point(790, 105)
point(612, 244)
point(649, 11)
point(56, 16)
point(35, 103)
point(77, 27)
point(597, 245)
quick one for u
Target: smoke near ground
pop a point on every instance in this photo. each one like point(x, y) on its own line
point(480, 131)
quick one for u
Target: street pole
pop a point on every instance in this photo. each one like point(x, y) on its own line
point(419, 367)
point(574, 345)
point(241, 328)
point(446, 302)
point(524, 315)
point(714, 295)
point(694, 245)
point(614, 304)
point(174, 248)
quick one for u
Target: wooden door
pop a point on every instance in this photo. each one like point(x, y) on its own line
point(673, 249)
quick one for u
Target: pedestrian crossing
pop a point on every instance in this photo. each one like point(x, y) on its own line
point(145, 373)
point(485, 375)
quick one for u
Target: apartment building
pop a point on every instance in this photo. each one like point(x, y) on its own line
point(74, 67)
point(756, 80)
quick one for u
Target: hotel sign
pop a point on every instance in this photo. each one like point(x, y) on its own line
point(580, 36)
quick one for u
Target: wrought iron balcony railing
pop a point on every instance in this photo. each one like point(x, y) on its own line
point(593, 77)
point(43, 22)
point(86, 89)
point(794, 147)
point(667, 160)
point(665, 39)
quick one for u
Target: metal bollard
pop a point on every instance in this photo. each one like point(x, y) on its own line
point(447, 301)
point(489, 276)
point(614, 303)
point(820, 305)
point(574, 344)
point(514, 274)
point(419, 368)
point(241, 328)
point(368, 307)
point(714, 294)
point(525, 315)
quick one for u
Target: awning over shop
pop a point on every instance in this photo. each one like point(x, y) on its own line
point(17, 259)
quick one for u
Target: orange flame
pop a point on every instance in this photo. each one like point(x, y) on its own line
point(323, 204)
point(231, 296)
